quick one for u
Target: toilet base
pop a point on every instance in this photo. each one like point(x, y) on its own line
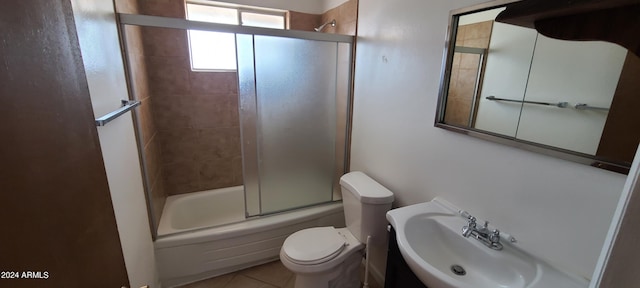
point(345, 275)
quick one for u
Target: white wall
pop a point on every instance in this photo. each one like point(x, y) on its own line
point(488, 15)
point(95, 22)
point(309, 6)
point(330, 4)
point(558, 210)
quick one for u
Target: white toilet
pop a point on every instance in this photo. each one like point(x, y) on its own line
point(328, 257)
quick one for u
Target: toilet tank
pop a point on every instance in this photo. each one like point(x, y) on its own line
point(365, 204)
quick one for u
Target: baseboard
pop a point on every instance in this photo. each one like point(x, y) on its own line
point(377, 276)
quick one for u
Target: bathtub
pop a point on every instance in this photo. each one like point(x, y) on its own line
point(205, 234)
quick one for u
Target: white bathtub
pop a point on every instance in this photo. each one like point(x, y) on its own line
point(202, 209)
point(188, 251)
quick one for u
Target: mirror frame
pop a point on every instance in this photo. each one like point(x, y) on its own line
point(445, 75)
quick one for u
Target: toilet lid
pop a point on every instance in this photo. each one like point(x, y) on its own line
point(314, 245)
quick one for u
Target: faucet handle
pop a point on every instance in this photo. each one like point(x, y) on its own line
point(495, 236)
point(470, 227)
point(472, 222)
point(486, 224)
point(464, 214)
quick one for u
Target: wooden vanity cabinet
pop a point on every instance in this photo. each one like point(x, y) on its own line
point(398, 274)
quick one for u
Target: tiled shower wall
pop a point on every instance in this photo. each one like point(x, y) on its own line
point(464, 71)
point(197, 117)
point(346, 16)
point(303, 21)
point(196, 113)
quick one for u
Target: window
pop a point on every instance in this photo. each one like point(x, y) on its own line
point(217, 50)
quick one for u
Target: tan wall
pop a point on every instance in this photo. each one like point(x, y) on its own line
point(346, 16)
point(195, 113)
point(303, 21)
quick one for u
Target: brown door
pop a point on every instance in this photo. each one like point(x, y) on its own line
point(58, 227)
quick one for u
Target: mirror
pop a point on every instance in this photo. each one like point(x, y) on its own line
point(577, 100)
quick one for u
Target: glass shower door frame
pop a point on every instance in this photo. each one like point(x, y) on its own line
point(345, 45)
point(296, 89)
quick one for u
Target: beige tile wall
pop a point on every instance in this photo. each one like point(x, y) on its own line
point(464, 71)
point(189, 120)
point(346, 16)
point(196, 113)
point(126, 6)
point(303, 21)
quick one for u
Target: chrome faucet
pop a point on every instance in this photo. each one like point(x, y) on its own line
point(490, 238)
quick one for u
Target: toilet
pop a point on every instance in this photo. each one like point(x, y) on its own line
point(328, 257)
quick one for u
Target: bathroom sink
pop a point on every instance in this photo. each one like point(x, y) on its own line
point(430, 241)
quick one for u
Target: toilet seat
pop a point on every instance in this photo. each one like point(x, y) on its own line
point(314, 245)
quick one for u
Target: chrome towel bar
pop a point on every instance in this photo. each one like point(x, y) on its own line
point(126, 106)
point(582, 106)
point(559, 104)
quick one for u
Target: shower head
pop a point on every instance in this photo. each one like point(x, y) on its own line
point(333, 24)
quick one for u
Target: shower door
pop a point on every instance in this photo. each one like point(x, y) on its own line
point(292, 91)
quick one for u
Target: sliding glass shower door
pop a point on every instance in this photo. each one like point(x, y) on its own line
point(289, 98)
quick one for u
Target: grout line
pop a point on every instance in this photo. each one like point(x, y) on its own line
point(258, 280)
point(292, 278)
point(228, 281)
point(262, 281)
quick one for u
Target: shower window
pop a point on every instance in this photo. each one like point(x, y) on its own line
point(216, 51)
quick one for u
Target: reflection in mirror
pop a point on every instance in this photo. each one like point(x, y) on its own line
point(576, 73)
point(507, 70)
point(515, 85)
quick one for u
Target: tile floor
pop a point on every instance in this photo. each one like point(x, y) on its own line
point(270, 275)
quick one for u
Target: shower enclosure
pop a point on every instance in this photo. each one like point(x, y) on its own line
point(277, 126)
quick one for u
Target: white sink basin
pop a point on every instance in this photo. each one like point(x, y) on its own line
point(430, 240)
